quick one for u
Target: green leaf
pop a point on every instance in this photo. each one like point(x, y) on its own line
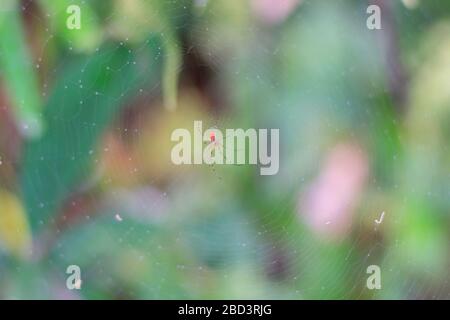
point(141, 260)
point(85, 100)
point(17, 71)
point(138, 17)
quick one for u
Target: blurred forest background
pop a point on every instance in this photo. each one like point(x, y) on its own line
point(85, 171)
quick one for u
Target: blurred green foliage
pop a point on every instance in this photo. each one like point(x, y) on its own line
point(106, 97)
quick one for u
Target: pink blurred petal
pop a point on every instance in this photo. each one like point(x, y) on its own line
point(273, 11)
point(328, 205)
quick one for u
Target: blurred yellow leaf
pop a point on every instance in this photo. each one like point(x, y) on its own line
point(153, 147)
point(15, 235)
